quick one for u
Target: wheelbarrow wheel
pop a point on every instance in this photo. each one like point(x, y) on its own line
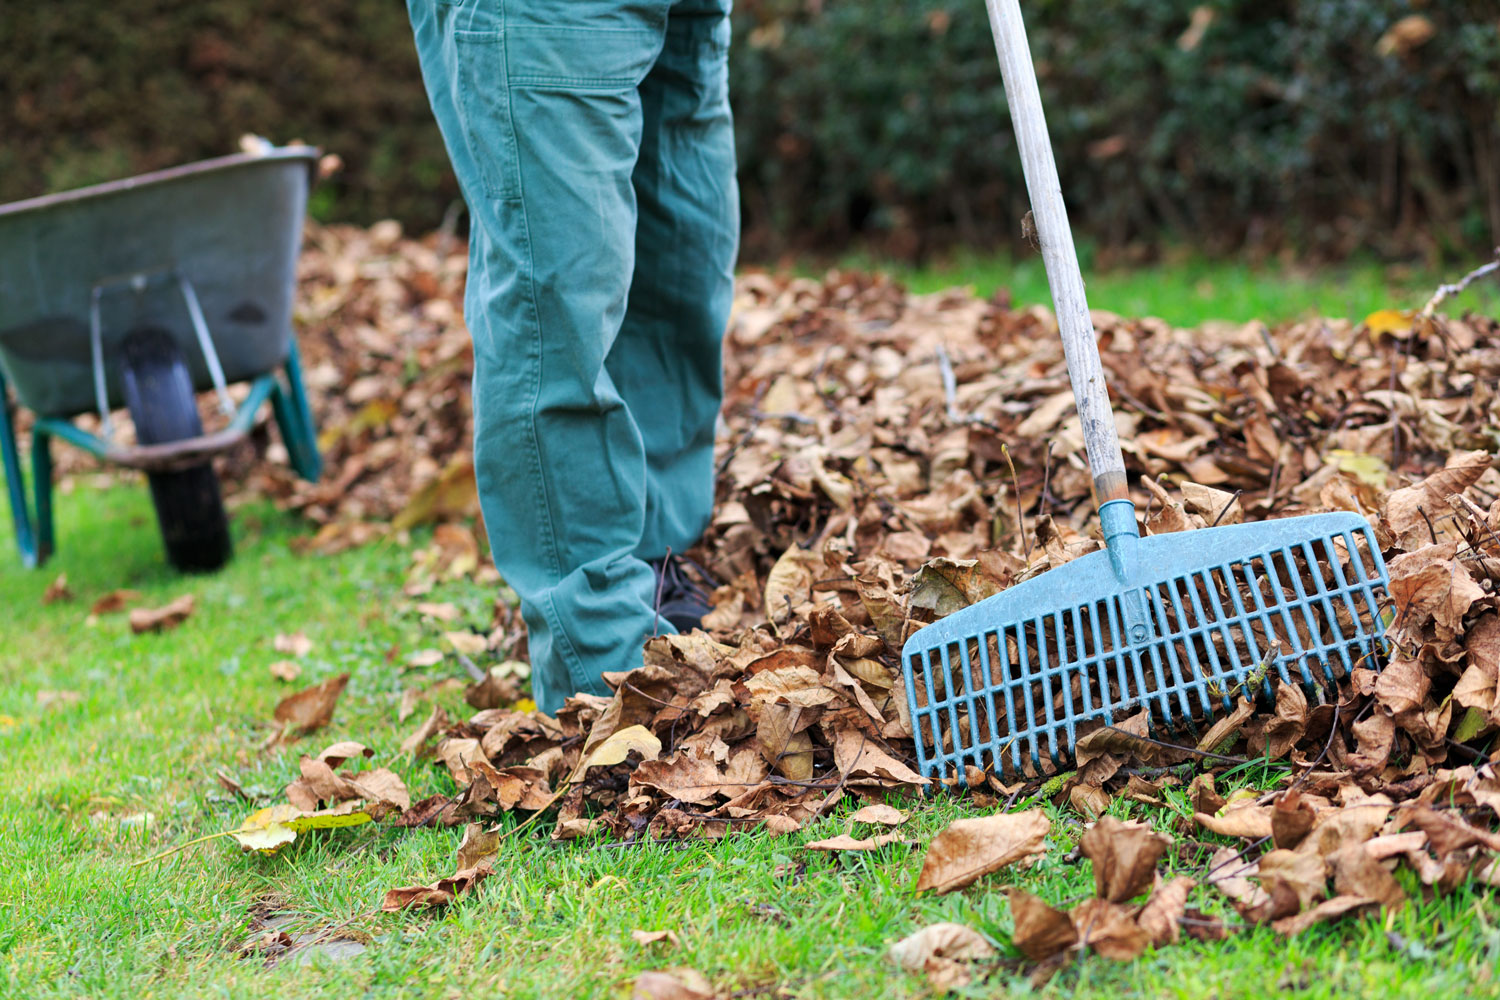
point(189, 505)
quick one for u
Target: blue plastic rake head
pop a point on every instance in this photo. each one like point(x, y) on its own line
point(1178, 624)
point(1182, 625)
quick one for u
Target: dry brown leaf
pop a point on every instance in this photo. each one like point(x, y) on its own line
point(1109, 929)
point(285, 670)
point(648, 938)
point(950, 941)
point(1239, 819)
point(1041, 931)
point(1292, 818)
point(478, 847)
point(295, 644)
point(438, 894)
point(1124, 856)
point(844, 842)
point(1304, 878)
point(312, 707)
point(1404, 509)
point(1161, 917)
point(1329, 909)
point(969, 849)
point(676, 983)
point(163, 618)
point(57, 590)
point(789, 584)
point(115, 600)
point(433, 724)
point(1355, 873)
point(880, 813)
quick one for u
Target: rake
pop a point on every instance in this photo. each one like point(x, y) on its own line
point(1177, 625)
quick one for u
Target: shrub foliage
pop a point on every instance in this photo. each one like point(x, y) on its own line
point(1316, 125)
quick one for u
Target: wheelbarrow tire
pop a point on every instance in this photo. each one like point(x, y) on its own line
point(189, 504)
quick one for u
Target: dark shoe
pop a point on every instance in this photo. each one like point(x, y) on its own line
point(679, 598)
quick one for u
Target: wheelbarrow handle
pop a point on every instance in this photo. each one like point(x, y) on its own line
point(1050, 217)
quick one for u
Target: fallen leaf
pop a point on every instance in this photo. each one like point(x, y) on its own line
point(1108, 929)
point(1239, 819)
point(789, 584)
point(944, 940)
point(1161, 916)
point(467, 643)
point(944, 586)
point(1124, 856)
point(425, 658)
point(1329, 909)
point(443, 612)
point(295, 644)
point(164, 618)
point(478, 847)
point(268, 829)
point(433, 724)
point(620, 745)
point(972, 848)
point(57, 590)
point(676, 983)
point(115, 600)
point(648, 938)
point(880, 813)
point(285, 670)
point(844, 842)
point(438, 894)
point(312, 707)
point(46, 699)
point(1041, 931)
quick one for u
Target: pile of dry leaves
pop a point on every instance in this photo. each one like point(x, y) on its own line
point(886, 459)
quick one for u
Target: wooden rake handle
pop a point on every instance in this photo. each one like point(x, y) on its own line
point(1063, 275)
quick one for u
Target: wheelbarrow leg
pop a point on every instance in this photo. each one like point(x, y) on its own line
point(41, 485)
point(20, 514)
point(294, 418)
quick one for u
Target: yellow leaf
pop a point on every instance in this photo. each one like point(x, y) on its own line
point(617, 747)
point(525, 705)
point(1395, 322)
point(275, 826)
point(1368, 469)
point(327, 819)
point(263, 829)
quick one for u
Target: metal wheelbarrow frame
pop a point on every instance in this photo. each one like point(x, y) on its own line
point(206, 252)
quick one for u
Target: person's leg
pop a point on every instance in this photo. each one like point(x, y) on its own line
point(666, 362)
point(539, 106)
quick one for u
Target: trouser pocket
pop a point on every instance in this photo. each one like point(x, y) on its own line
point(484, 101)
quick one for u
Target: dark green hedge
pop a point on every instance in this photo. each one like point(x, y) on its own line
point(1308, 125)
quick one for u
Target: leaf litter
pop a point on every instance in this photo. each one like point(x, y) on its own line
point(886, 459)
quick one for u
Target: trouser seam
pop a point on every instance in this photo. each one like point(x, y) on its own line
point(561, 637)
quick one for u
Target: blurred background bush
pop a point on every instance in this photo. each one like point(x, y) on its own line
point(1314, 128)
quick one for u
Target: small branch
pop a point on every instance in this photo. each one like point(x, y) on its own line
point(1448, 291)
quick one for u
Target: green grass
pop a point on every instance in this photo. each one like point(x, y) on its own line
point(159, 714)
point(1191, 290)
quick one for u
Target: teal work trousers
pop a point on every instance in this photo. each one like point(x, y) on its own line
point(593, 143)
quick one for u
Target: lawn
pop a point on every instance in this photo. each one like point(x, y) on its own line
point(1192, 290)
point(112, 742)
point(95, 784)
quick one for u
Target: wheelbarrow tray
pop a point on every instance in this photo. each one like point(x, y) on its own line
point(231, 227)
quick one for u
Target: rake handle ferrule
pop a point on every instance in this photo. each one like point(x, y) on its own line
point(1050, 216)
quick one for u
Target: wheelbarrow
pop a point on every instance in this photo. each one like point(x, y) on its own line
point(139, 294)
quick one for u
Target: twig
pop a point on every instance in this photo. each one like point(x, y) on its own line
point(1015, 484)
point(950, 384)
point(1225, 509)
point(1333, 730)
point(1177, 746)
point(1448, 291)
point(661, 582)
